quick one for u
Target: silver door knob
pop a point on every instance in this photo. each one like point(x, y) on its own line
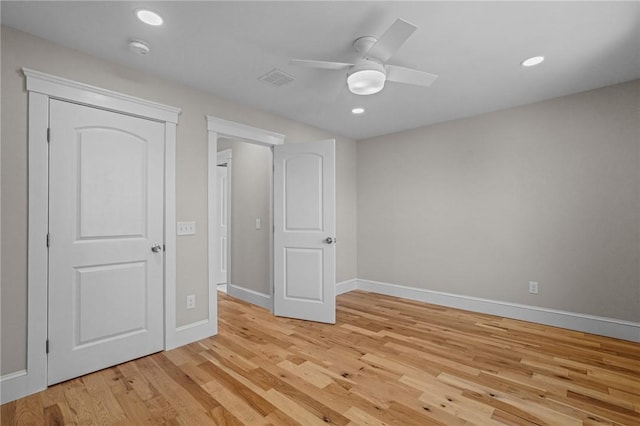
point(156, 248)
point(329, 240)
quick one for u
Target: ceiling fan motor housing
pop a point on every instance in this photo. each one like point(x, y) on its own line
point(363, 44)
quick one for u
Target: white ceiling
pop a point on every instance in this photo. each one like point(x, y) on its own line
point(475, 47)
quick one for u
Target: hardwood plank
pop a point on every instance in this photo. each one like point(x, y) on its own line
point(8, 413)
point(386, 361)
point(223, 417)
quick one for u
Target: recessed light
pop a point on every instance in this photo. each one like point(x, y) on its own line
point(532, 61)
point(149, 17)
point(357, 110)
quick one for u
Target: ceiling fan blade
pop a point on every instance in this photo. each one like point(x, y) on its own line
point(409, 76)
point(320, 64)
point(391, 40)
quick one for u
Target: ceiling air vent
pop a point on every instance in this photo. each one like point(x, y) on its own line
point(276, 78)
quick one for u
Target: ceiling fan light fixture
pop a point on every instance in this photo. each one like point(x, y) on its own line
point(366, 81)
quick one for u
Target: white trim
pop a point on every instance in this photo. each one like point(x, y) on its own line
point(271, 235)
point(37, 261)
point(249, 296)
point(62, 88)
point(41, 87)
point(609, 327)
point(346, 286)
point(13, 386)
point(170, 275)
point(223, 157)
point(212, 212)
point(233, 130)
point(219, 128)
point(226, 157)
point(193, 332)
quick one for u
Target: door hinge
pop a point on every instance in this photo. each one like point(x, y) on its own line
point(48, 239)
point(164, 247)
point(48, 134)
point(46, 345)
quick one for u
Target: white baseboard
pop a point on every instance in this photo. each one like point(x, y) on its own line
point(13, 386)
point(346, 286)
point(249, 296)
point(193, 332)
point(610, 327)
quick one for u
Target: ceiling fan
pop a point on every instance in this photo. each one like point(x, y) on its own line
point(369, 72)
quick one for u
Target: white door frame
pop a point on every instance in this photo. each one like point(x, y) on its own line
point(41, 87)
point(219, 128)
point(226, 157)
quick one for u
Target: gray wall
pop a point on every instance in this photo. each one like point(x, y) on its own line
point(548, 192)
point(250, 195)
point(22, 50)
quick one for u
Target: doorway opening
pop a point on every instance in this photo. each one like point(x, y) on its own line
point(301, 229)
point(247, 138)
point(244, 214)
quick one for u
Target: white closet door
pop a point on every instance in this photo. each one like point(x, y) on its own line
point(106, 280)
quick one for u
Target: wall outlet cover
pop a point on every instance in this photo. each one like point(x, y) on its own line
point(191, 301)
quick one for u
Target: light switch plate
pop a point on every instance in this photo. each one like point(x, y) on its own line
point(186, 228)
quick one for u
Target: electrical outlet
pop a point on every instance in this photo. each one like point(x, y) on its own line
point(533, 287)
point(186, 228)
point(191, 301)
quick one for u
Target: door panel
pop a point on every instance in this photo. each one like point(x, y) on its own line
point(111, 164)
point(304, 217)
point(106, 286)
point(303, 196)
point(97, 288)
point(303, 274)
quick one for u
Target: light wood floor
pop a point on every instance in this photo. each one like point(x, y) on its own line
point(387, 361)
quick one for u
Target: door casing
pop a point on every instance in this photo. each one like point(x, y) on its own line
point(220, 128)
point(226, 157)
point(41, 88)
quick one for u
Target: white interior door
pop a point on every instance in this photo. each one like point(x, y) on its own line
point(106, 302)
point(223, 219)
point(304, 235)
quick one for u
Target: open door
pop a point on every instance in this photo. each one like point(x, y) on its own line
point(304, 234)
